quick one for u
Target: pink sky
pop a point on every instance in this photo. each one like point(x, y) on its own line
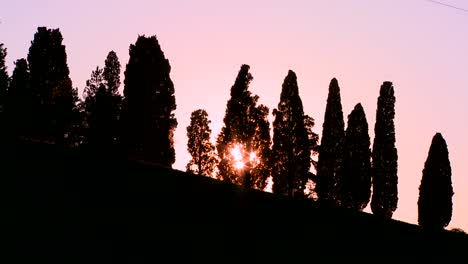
point(418, 45)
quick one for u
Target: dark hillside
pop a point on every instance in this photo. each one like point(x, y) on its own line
point(102, 203)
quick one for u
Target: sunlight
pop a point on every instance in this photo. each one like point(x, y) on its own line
point(253, 156)
point(239, 159)
point(236, 153)
point(239, 165)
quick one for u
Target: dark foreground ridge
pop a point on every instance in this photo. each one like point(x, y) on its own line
point(102, 203)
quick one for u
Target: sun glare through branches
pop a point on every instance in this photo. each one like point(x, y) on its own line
point(241, 159)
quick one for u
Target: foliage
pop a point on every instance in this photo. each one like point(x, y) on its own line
point(102, 104)
point(54, 100)
point(384, 155)
point(293, 141)
point(356, 182)
point(436, 191)
point(329, 167)
point(19, 109)
point(244, 142)
point(149, 104)
point(111, 73)
point(203, 160)
point(4, 79)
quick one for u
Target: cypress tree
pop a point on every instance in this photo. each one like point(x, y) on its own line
point(356, 182)
point(244, 141)
point(149, 104)
point(112, 100)
point(384, 155)
point(292, 144)
point(435, 191)
point(329, 167)
point(203, 160)
point(54, 99)
point(19, 100)
point(111, 73)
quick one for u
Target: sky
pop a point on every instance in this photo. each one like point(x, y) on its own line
point(419, 45)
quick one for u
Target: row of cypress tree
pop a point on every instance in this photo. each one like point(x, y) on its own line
point(38, 102)
point(347, 168)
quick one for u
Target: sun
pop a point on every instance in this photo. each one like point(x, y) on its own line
point(236, 153)
point(239, 165)
point(240, 159)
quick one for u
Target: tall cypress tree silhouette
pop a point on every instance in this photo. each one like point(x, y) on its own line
point(203, 154)
point(292, 144)
point(111, 73)
point(435, 191)
point(111, 99)
point(18, 109)
point(329, 168)
point(356, 182)
point(54, 98)
point(149, 104)
point(244, 142)
point(384, 156)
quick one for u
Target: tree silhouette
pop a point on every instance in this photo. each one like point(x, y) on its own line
point(435, 191)
point(149, 104)
point(244, 142)
point(356, 182)
point(384, 156)
point(93, 110)
point(4, 79)
point(111, 73)
point(292, 142)
point(203, 160)
point(54, 99)
point(259, 160)
point(113, 99)
point(93, 84)
point(102, 103)
point(329, 168)
point(18, 108)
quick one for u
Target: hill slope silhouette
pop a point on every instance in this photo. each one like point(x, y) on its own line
point(103, 202)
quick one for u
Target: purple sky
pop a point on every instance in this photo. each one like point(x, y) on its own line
point(418, 45)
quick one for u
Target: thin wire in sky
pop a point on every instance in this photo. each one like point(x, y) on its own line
point(447, 5)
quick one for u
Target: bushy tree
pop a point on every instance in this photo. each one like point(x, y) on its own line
point(54, 100)
point(93, 84)
point(384, 155)
point(356, 181)
point(244, 142)
point(102, 103)
point(293, 142)
point(93, 110)
point(435, 191)
point(4, 79)
point(329, 168)
point(149, 104)
point(19, 109)
point(203, 154)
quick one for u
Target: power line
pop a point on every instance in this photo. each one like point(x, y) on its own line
point(447, 5)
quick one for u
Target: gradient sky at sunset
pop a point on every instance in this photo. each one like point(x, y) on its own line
point(421, 46)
